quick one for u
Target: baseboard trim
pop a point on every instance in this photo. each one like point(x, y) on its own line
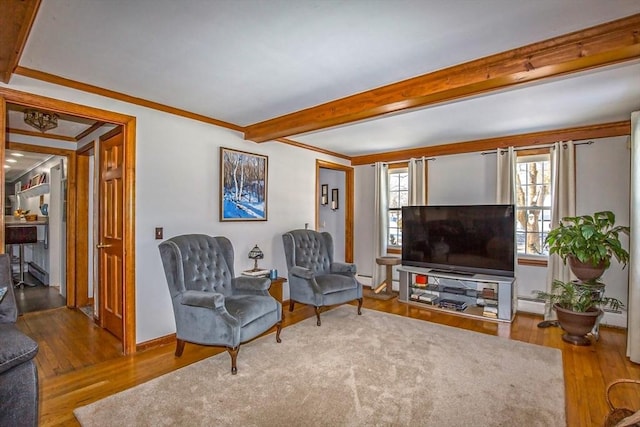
point(156, 342)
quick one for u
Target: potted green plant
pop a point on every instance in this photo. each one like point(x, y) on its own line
point(588, 242)
point(578, 306)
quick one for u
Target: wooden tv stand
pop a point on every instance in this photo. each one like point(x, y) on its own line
point(477, 295)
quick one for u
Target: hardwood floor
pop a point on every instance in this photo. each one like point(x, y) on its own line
point(80, 363)
point(39, 297)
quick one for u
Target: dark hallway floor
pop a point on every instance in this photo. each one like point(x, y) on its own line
point(39, 297)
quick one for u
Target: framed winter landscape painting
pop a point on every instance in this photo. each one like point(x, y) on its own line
point(243, 186)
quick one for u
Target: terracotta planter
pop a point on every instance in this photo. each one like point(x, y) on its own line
point(577, 325)
point(585, 271)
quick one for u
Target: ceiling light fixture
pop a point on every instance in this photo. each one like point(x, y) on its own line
point(12, 161)
point(41, 120)
point(17, 154)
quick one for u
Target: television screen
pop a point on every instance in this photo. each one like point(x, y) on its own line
point(460, 239)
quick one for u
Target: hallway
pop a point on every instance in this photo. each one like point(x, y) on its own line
point(39, 297)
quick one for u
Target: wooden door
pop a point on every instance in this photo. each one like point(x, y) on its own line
point(111, 230)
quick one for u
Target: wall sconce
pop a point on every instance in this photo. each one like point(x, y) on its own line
point(324, 194)
point(334, 199)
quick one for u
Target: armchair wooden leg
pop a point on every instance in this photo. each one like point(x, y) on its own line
point(179, 348)
point(359, 306)
point(318, 315)
point(279, 328)
point(233, 352)
point(291, 305)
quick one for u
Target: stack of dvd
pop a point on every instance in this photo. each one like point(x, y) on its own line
point(453, 304)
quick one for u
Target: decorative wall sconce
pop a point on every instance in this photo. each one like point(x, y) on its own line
point(324, 194)
point(334, 199)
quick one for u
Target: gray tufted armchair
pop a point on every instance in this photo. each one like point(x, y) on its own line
point(314, 277)
point(211, 306)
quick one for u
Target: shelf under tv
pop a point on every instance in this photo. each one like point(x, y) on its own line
point(485, 297)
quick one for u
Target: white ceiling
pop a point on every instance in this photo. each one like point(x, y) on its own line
point(246, 61)
point(17, 163)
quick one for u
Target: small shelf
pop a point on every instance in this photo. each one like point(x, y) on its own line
point(36, 190)
point(478, 296)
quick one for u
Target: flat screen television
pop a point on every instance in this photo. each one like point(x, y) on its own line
point(466, 240)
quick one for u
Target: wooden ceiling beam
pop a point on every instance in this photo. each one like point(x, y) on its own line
point(598, 46)
point(16, 20)
point(604, 130)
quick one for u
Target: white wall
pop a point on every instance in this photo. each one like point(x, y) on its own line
point(363, 208)
point(602, 183)
point(462, 179)
point(177, 187)
point(603, 173)
point(334, 221)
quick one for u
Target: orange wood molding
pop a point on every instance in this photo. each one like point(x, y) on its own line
point(312, 148)
point(30, 148)
point(16, 21)
point(532, 262)
point(41, 135)
point(51, 78)
point(94, 127)
point(349, 202)
point(605, 130)
point(157, 342)
point(3, 118)
point(598, 46)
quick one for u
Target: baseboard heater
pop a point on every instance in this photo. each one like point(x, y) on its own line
point(39, 273)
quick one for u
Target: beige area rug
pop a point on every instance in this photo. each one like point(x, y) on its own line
point(374, 369)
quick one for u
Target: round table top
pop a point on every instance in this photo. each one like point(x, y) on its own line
point(388, 260)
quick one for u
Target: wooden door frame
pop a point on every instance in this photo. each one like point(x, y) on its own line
point(82, 224)
point(348, 197)
point(76, 241)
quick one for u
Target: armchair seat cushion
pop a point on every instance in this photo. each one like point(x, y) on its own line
point(330, 283)
point(249, 308)
point(16, 347)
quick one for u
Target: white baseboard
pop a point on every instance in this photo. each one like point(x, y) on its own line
point(365, 280)
point(529, 306)
point(616, 319)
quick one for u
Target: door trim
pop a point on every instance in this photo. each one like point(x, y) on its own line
point(348, 211)
point(129, 132)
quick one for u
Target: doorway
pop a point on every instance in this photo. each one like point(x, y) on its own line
point(31, 203)
point(77, 259)
point(336, 216)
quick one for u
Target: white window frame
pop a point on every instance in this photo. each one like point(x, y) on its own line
point(397, 230)
point(544, 224)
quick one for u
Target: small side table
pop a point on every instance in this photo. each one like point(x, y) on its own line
point(275, 290)
point(385, 289)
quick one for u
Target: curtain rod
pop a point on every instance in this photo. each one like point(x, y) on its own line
point(406, 161)
point(533, 147)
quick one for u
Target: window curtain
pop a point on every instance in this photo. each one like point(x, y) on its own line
point(633, 306)
point(380, 222)
point(506, 169)
point(563, 203)
point(417, 181)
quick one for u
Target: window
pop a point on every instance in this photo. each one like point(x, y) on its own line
point(398, 197)
point(533, 203)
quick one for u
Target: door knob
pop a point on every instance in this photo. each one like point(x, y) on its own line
point(103, 245)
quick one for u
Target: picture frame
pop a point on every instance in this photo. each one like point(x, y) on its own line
point(324, 194)
point(243, 185)
point(35, 180)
